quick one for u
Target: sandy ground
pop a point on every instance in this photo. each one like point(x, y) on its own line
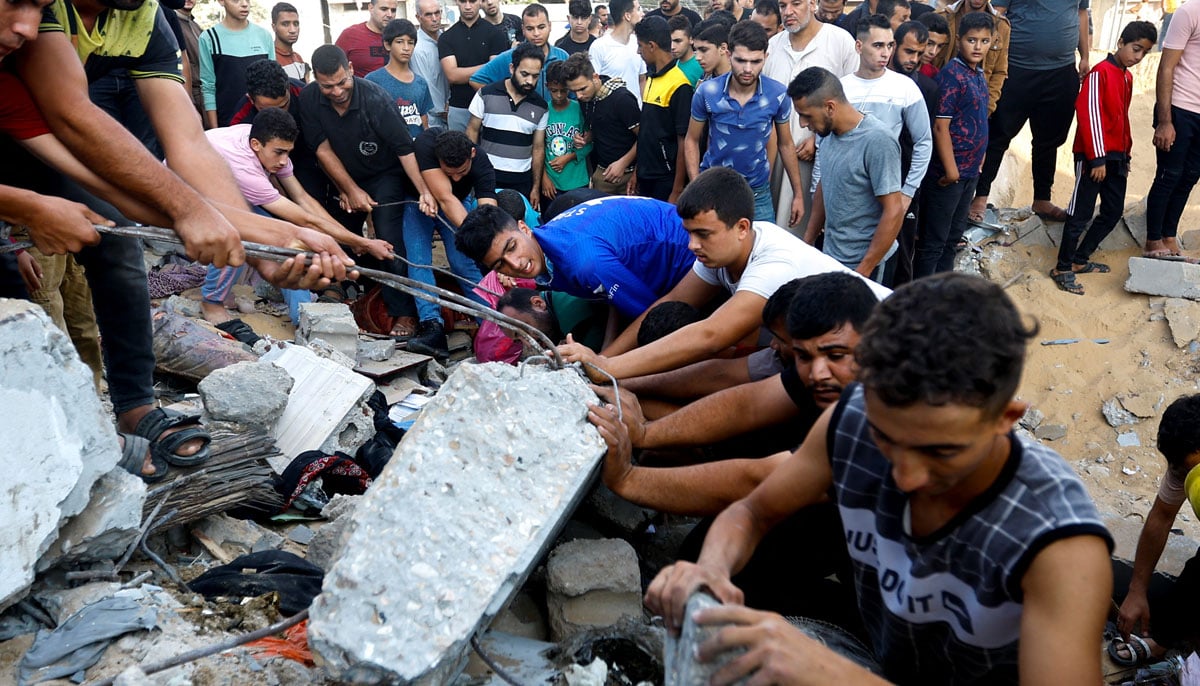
point(1070, 383)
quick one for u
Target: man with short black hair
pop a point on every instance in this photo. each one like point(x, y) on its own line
point(285, 23)
point(967, 542)
point(681, 49)
point(911, 39)
point(615, 53)
point(578, 39)
point(463, 49)
point(766, 13)
point(612, 116)
point(666, 106)
point(363, 144)
point(669, 9)
point(829, 11)
point(454, 171)
point(536, 24)
point(710, 43)
point(363, 43)
point(508, 121)
point(510, 24)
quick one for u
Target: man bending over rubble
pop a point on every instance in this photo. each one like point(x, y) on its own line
point(734, 254)
point(976, 556)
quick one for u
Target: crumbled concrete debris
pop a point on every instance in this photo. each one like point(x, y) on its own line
point(1183, 316)
point(253, 394)
point(1163, 277)
point(453, 526)
point(326, 542)
point(1135, 220)
point(376, 349)
point(300, 534)
point(1128, 439)
point(183, 306)
point(1141, 406)
point(327, 407)
point(614, 512)
point(106, 528)
point(682, 668)
point(55, 443)
point(238, 536)
point(332, 322)
point(1050, 432)
point(327, 351)
point(591, 584)
point(1032, 418)
point(1115, 414)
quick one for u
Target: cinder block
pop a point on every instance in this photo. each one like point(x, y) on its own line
point(1163, 277)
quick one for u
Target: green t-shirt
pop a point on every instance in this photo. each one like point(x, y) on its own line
point(692, 70)
point(561, 128)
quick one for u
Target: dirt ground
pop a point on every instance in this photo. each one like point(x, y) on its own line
point(1069, 383)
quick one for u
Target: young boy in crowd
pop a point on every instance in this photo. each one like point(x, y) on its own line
point(681, 48)
point(1103, 143)
point(710, 41)
point(960, 136)
point(407, 88)
point(566, 165)
point(939, 37)
point(226, 49)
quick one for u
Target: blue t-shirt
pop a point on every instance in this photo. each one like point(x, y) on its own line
point(497, 69)
point(737, 135)
point(412, 98)
point(963, 99)
point(629, 250)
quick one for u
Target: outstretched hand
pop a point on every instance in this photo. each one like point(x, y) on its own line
point(618, 460)
point(578, 352)
point(632, 416)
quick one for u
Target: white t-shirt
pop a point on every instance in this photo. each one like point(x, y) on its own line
point(776, 258)
point(832, 48)
point(611, 58)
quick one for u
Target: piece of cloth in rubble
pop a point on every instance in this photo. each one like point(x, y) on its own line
point(339, 473)
point(174, 279)
point(79, 642)
point(374, 455)
point(296, 580)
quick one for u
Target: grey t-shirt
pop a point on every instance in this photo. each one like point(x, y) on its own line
point(1045, 33)
point(865, 162)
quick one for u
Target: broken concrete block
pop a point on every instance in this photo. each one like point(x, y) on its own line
point(238, 536)
point(1128, 439)
point(375, 350)
point(1116, 415)
point(1135, 221)
point(455, 523)
point(326, 351)
point(55, 442)
point(183, 306)
point(591, 584)
point(1140, 406)
point(1163, 277)
point(106, 528)
point(1050, 432)
point(327, 407)
point(681, 666)
point(1032, 418)
point(1183, 316)
point(253, 394)
point(616, 511)
point(332, 322)
point(301, 534)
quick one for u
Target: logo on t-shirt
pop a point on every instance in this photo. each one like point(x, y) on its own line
point(367, 148)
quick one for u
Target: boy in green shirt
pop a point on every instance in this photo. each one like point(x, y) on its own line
point(566, 166)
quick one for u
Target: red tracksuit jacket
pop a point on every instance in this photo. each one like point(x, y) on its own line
point(1102, 114)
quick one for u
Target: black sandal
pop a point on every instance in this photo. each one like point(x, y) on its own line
point(1066, 282)
point(133, 457)
point(1091, 268)
point(240, 330)
point(157, 421)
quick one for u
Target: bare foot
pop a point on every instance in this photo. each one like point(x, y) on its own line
point(978, 209)
point(214, 313)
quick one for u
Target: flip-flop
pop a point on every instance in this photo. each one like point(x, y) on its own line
point(403, 328)
point(158, 421)
point(1168, 256)
point(1066, 282)
point(1092, 268)
point(133, 457)
point(1138, 649)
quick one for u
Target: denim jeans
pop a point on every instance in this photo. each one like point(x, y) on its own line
point(418, 243)
point(458, 118)
point(764, 205)
point(218, 284)
point(116, 93)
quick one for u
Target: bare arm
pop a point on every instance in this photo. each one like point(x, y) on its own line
point(816, 217)
point(1067, 590)
point(455, 74)
point(1085, 44)
point(1134, 615)
point(539, 160)
point(885, 233)
point(693, 381)
point(944, 147)
point(443, 192)
point(691, 147)
point(57, 226)
point(353, 198)
point(719, 416)
point(1164, 129)
point(473, 129)
point(791, 165)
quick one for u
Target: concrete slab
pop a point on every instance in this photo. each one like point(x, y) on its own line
point(1163, 277)
point(446, 535)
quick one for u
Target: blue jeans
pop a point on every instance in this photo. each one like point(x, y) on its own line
point(764, 205)
point(418, 243)
point(218, 284)
point(458, 118)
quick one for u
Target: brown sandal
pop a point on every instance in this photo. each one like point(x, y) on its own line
point(403, 328)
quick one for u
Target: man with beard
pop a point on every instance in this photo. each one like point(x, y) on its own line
point(536, 23)
point(803, 43)
point(671, 8)
point(859, 207)
point(911, 39)
point(508, 121)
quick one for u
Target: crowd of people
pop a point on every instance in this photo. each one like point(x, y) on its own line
point(709, 214)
